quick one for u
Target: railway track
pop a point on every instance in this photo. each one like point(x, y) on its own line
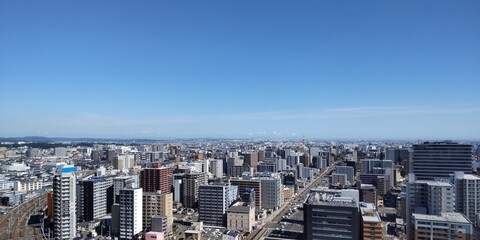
point(13, 225)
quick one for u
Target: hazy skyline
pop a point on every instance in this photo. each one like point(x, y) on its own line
point(319, 69)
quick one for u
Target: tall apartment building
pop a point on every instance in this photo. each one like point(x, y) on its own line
point(233, 159)
point(216, 168)
point(427, 197)
point(92, 198)
point(244, 184)
point(64, 203)
point(371, 222)
point(156, 179)
point(213, 203)
point(347, 170)
point(121, 182)
point(131, 212)
point(371, 169)
point(435, 160)
point(444, 226)
point(272, 192)
point(467, 195)
point(191, 183)
point(397, 155)
point(250, 159)
point(329, 213)
point(155, 204)
point(238, 171)
point(124, 162)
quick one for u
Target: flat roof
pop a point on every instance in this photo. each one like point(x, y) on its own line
point(435, 183)
point(443, 217)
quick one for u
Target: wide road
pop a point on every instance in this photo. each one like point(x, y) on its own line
point(278, 214)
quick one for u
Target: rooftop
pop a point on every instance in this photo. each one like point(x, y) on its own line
point(327, 198)
point(435, 183)
point(369, 214)
point(443, 217)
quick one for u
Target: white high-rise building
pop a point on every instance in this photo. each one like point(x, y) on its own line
point(428, 197)
point(272, 192)
point(206, 166)
point(281, 164)
point(467, 195)
point(64, 203)
point(131, 212)
point(216, 168)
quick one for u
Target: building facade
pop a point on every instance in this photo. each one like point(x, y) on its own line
point(445, 226)
point(329, 214)
point(64, 204)
point(157, 204)
point(131, 212)
point(214, 201)
point(156, 179)
point(436, 160)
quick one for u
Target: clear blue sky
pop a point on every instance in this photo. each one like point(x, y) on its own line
point(259, 69)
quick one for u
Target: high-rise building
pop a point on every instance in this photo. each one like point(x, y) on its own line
point(124, 162)
point(155, 204)
point(348, 170)
point(156, 179)
point(191, 183)
point(444, 226)
point(213, 202)
point(427, 197)
point(131, 212)
point(250, 159)
point(255, 184)
point(64, 203)
point(435, 160)
point(216, 168)
point(266, 167)
point(238, 171)
point(121, 182)
point(92, 198)
point(329, 213)
point(178, 187)
point(378, 167)
point(272, 192)
point(467, 195)
point(397, 155)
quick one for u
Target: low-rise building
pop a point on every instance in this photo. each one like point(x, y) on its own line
point(241, 217)
point(371, 222)
point(441, 227)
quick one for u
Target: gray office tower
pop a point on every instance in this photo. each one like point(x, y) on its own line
point(434, 160)
point(397, 155)
point(330, 214)
point(213, 203)
point(347, 170)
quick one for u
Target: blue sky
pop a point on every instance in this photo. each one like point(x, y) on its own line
point(256, 69)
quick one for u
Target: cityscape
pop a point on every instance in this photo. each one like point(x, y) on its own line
point(239, 120)
point(240, 189)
